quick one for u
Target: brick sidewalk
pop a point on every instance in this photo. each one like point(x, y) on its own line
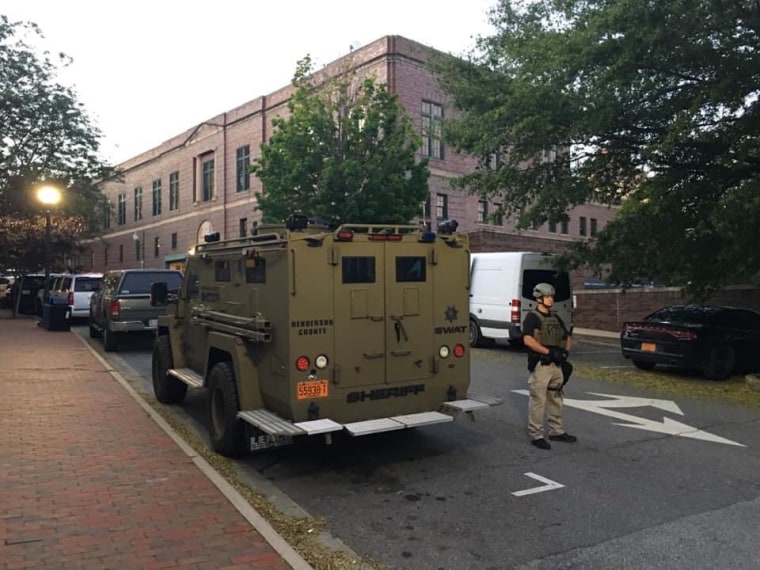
point(89, 480)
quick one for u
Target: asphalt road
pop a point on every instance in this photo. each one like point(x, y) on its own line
point(651, 483)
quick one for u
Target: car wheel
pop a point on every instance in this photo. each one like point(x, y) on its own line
point(168, 389)
point(94, 331)
point(641, 365)
point(719, 363)
point(476, 336)
point(226, 431)
point(110, 341)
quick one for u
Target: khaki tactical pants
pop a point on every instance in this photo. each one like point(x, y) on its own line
point(544, 384)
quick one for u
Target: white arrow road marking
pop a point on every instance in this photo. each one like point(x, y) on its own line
point(548, 486)
point(666, 426)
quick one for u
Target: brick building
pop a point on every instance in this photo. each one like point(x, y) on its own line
point(198, 181)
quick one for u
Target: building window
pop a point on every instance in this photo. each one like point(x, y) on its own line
point(208, 179)
point(121, 253)
point(441, 207)
point(243, 227)
point(107, 216)
point(432, 117)
point(243, 162)
point(105, 256)
point(498, 215)
point(582, 226)
point(535, 226)
point(137, 249)
point(482, 211)
point(121, 212)
point(174, 191)
point(564, 227)
point(138, 203)
point(593, 227)
point(157, 197)
point(426, 209)
point(174, 241)
point(553, 227)
point(156, 246)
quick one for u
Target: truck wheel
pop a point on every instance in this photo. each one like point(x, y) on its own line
point(225, 429)
point(168, 389)
point(719, 363)
point(476, 336)
point(94, 331)
point(110, 341)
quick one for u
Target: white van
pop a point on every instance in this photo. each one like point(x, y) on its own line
point(501, 293)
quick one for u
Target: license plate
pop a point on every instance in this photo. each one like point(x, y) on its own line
point(311, 389)
point(153, 323)
point(648, 346)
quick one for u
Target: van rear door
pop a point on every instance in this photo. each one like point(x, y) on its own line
point(542, 269)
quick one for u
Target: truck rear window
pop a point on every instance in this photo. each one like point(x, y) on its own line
point(358, 269)
point(86, 284)
point(139, 283)
point(558, 279)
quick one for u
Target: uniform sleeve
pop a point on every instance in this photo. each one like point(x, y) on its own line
point(530, 324)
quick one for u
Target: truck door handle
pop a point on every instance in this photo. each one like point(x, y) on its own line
point(401, 352)
point(376, 319)
point(373, 354)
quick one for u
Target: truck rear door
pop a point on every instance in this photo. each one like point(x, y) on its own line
point(383, 312)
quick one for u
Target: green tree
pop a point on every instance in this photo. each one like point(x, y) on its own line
point(45, 137)
point(650, 104)
point(345, 153)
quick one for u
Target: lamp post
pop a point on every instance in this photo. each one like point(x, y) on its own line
point(140, 247)
point(48, 196)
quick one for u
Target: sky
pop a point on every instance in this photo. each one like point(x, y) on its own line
point(149, 70)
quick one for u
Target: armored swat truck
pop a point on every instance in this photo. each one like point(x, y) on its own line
point(301, 330)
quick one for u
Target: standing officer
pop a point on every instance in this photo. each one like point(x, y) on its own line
point(548, 342)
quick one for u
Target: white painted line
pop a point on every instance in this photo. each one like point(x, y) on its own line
point(549, 485)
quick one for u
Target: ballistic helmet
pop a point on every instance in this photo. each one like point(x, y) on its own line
point(543, 289)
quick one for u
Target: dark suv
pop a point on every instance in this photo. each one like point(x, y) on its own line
point(122, 303)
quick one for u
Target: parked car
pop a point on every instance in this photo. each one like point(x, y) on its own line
point(30, 290)
point(6, 287)
point(716, 341)
point(121, 304)
point(77, 290)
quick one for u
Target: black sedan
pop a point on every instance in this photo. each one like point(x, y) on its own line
point(716, 341)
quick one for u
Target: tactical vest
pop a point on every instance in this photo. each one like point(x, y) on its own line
point(552, 331)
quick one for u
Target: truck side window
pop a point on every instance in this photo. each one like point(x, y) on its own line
point(358, 269)
point(193, 287)
point(222, 271)
point(255, 270)
point(410, 269)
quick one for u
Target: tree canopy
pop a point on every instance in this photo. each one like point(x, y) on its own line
point(45, 137)
point(346, 153)
point(651, 105)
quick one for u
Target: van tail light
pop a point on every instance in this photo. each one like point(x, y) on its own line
point(514, 315)
point(115, 308)
point(70, 298)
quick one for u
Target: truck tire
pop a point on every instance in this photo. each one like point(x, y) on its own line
point(110, 340)
point(719, 363)
point(168, 389)
point(94, 331)
point(226, 431)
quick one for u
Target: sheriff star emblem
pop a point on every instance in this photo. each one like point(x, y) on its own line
point(451, 313)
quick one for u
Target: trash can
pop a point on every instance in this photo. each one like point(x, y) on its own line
point(56, 317)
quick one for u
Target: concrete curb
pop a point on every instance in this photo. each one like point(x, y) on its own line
point(258, 522)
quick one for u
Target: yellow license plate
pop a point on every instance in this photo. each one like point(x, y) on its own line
point(311, 389)
point(648, 346)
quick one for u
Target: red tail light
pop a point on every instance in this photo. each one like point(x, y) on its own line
point(459, 350)
point(344, 235)
point(115, 308)
point(70, 298)
point(302, 363)
point(515, 314)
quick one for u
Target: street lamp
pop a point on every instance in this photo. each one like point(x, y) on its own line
point(47, 196)
point(140, 244)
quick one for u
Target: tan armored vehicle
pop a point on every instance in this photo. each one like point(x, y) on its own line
point(299, 330)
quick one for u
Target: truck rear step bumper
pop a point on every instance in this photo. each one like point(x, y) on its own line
point(272, 424)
